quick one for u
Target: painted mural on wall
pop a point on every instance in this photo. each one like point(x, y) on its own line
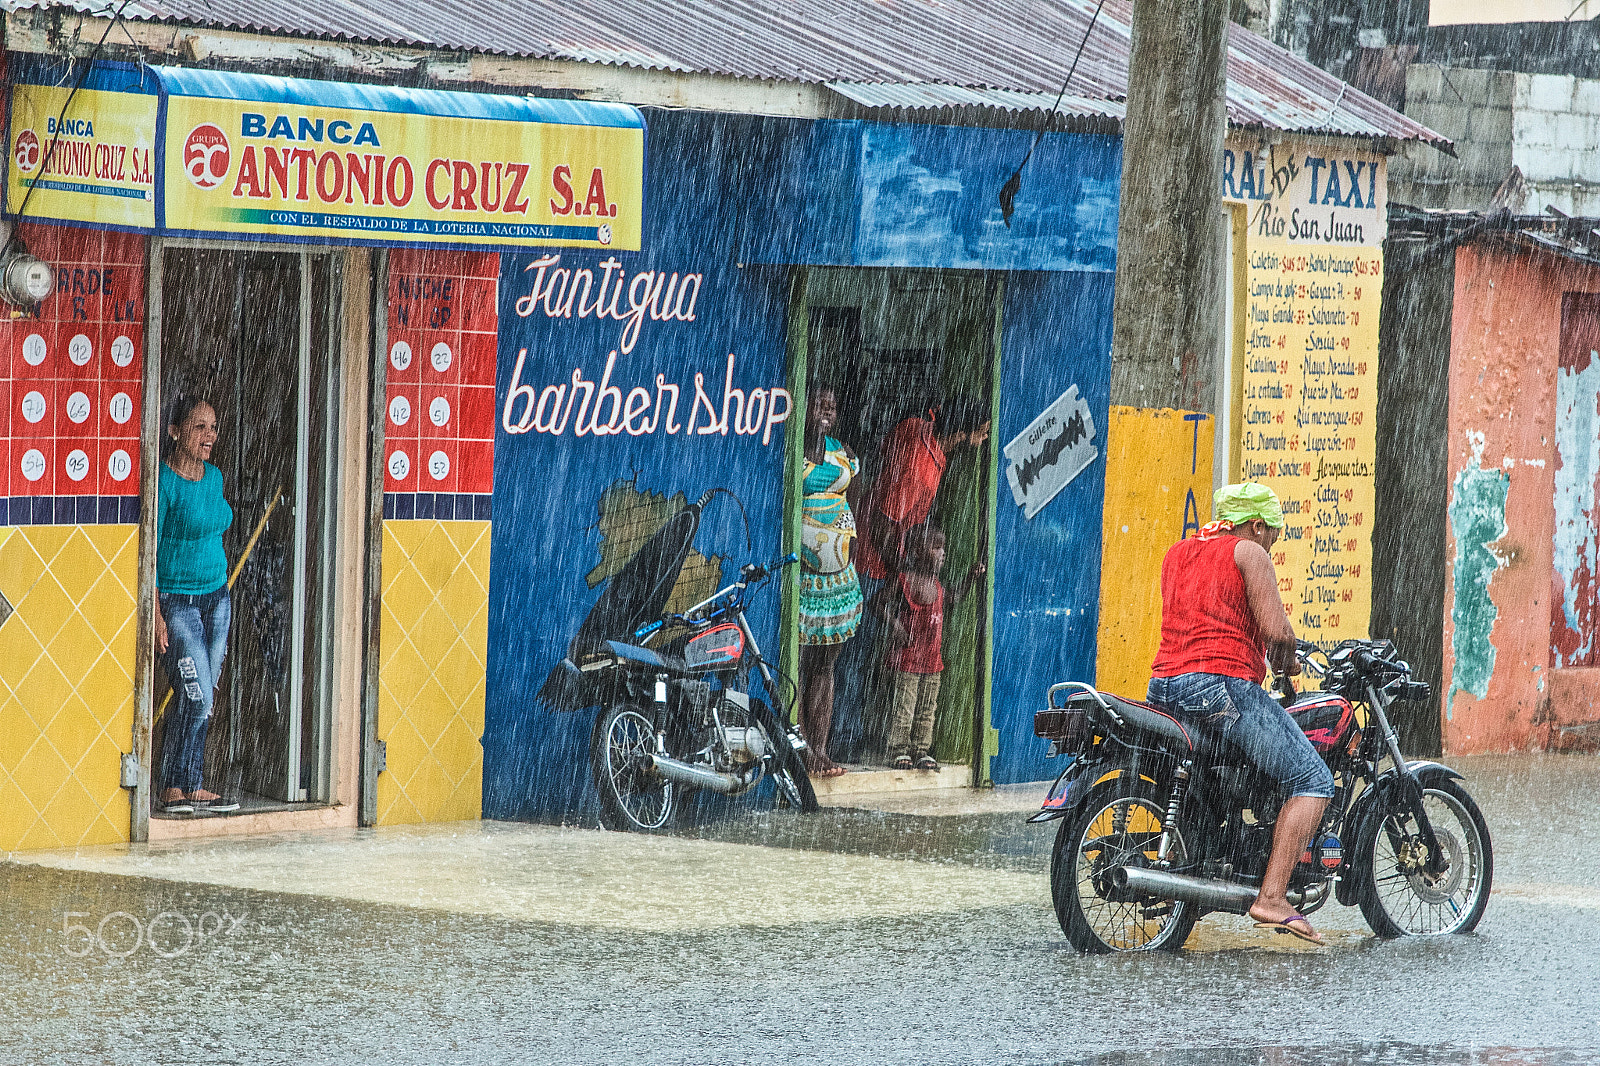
point(612, 420)
point(1315, 221)
point(631, 385)
point(929, 195)
point(1052, 450)
point(1477, 520)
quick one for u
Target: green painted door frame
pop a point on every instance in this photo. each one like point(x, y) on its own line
point(794, 446)
point(985, 737)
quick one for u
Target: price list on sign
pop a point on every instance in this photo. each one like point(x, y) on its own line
point(1307, 427)
point(71, 372)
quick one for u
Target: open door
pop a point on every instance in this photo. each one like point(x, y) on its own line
point(250, 332)
point(894, 343)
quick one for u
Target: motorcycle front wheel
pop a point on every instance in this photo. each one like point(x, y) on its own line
point(789, 773)
point(1399, 897)
point(632, 798)
point(1120, 824)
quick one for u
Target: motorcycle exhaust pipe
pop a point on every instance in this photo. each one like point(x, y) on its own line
point(1214, 895)
point(692, 776)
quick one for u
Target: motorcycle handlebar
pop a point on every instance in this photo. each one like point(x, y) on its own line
point(756, 571)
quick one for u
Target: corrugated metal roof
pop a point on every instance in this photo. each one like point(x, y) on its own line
point(921, 95)
point(1015, 46)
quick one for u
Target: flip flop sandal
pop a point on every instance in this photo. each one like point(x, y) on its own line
point(901, 762)
point(1287, 926)
point(927, 762)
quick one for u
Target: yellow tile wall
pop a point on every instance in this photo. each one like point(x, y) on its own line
point(432, 651)
point(66, 683)
point(1154, 459)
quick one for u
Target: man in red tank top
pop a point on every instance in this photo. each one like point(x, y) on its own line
point(1222, 622)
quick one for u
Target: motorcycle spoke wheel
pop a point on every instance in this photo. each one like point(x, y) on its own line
point(1113, 831)
point(788, 769)
point(631, 797)
point(1400, 897)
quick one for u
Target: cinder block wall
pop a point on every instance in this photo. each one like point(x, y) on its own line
point(1546, 125)
point(1475, 109)
point(1555, 129)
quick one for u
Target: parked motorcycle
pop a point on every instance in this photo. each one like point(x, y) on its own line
point(1163, 823)
point(676, 714)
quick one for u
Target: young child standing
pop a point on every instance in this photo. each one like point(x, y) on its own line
point(912, 608)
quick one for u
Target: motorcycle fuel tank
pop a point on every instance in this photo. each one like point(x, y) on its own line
point(717, 647)
point(1325, 719)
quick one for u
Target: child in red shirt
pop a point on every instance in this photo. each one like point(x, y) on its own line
point(912, 608)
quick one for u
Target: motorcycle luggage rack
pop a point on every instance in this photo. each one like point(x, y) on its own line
point(1067, 724)
point(1084, 689)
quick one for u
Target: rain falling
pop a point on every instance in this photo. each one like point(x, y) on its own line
point(700, 533)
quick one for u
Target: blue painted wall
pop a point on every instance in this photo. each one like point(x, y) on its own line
point(1056, 334)
point(871, 194)
point(725, 194)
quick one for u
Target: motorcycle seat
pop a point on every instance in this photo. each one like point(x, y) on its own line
point(1145, 719)
point(632, 653)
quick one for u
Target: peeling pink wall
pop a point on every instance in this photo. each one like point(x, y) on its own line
point(1505, 345)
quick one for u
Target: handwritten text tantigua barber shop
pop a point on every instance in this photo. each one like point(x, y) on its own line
point(590, 405)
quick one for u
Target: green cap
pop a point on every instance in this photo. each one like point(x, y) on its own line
point(1245, 502)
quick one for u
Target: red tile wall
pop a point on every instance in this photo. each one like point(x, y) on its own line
point(443, 326)
point(70, 372)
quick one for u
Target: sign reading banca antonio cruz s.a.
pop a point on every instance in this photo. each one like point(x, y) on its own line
point(292, 159)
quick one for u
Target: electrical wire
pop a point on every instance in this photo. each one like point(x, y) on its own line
point(1013, 185)
point(12, 238)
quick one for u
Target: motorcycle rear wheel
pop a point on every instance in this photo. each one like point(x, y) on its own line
point(632, 798)
point(1399, 898)
point(1119, 823)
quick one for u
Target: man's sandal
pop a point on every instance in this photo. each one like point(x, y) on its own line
point(1287, 926)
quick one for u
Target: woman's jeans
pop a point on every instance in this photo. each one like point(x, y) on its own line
point(1250, 719)
point(197, 640)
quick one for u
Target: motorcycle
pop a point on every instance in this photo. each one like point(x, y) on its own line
point(676, 714)
point(1163, 823)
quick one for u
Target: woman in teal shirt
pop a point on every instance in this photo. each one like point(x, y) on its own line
point(194, 608)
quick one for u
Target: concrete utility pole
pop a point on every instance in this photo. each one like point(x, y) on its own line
point(1167, 333)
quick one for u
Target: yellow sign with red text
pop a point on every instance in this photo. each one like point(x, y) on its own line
point(318, 173)
point(92, 164)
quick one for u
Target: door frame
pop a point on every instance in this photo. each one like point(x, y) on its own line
point(797, 369)
point(349, 588)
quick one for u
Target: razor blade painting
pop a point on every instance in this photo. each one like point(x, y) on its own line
point(1055, 448)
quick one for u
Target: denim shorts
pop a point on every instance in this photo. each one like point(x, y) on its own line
point(1250, 719)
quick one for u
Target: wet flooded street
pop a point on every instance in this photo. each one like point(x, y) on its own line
point(856, 936)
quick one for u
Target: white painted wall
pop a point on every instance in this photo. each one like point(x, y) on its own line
point(1459, 12)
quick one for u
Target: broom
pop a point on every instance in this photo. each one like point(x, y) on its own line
point(250, 546)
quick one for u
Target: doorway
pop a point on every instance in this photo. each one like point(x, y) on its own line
point(253, 333)
point(894, 343)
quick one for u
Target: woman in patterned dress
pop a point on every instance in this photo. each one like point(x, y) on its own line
point(830, 594)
